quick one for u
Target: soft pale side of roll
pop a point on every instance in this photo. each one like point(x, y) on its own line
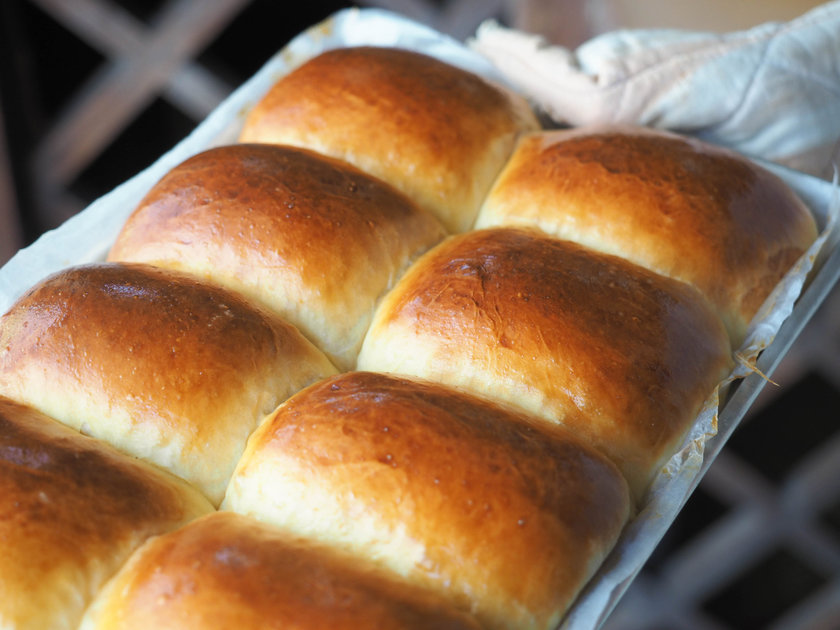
point(676, 205)
point(506, 519)
point(72, 509)
point(308, 237)
point(620, 355)
point(228, 571)
point(436, 132)
point(164, 367)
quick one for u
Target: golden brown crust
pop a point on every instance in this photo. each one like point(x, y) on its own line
point(454, 493)
point(681, 207)
point(308, 237)
point(434, 131)
point(71, 511)
point(229, 571)
point(622, 356)
point(162, 366)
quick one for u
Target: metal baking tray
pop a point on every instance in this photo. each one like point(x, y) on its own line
point(87, 237)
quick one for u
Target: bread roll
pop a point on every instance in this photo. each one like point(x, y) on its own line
point(678, 206)
point(306, 236)
point(165, 368)
point(620, 355)
point(436, 132)
point(452, 493)
point(229, 571)
point(72, 509)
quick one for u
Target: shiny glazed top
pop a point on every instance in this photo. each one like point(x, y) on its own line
point(458, 494)
point(436, 132)
point(71, 511)
point(229, 571)
point(160, 365)
point(620, 354)
point(309, 237)
point(689, 210)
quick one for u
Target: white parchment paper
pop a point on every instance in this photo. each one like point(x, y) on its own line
point(87, 237)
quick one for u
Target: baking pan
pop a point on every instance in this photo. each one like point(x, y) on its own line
point(87, 237)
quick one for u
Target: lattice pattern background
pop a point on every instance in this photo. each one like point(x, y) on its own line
point(92, 91)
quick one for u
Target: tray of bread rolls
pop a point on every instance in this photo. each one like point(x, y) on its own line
point(373, 347)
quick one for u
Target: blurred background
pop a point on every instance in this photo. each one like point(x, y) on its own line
point(92, 91)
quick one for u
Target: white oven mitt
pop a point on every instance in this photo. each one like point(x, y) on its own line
point(771, 92)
